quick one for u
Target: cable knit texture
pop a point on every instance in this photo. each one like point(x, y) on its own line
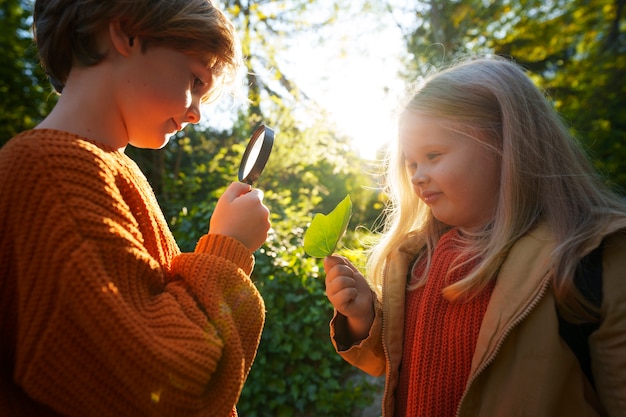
point(440, 338)
point(100, 313)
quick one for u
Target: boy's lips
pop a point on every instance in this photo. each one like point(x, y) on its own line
point(177, 127)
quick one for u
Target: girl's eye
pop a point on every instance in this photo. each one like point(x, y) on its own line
point(432, 155)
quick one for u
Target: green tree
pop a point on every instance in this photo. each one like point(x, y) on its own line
point(25, 95)
point(577, 49)
point(438, 31)
point(574, 49)
point(267, 26)
point(310, 170)
point(296, 372)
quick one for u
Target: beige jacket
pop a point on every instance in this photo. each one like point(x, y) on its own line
point(521, 367)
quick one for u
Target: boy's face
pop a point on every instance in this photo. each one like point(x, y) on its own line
point(456, 176)
point(161, 91)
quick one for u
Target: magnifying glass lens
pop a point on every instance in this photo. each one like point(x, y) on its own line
point(253, 156)
point(256, 154)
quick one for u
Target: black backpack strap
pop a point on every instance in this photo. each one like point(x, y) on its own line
point(588, 281)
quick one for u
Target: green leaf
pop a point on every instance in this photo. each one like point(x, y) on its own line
point(324, 233)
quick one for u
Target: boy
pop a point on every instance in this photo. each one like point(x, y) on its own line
point(100, 313)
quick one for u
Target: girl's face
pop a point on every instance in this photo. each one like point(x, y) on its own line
point(456, 176)
point(161, 92)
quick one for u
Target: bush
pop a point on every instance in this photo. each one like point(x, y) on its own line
point(297, 371)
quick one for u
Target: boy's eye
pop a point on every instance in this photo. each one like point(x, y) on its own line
point(202, 88)
point(197, 82)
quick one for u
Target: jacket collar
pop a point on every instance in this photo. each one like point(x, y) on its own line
point(522, 280)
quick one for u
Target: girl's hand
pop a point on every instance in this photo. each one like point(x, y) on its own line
point(350, 294)
point(240, 214)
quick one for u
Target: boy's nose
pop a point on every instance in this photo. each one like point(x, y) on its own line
point(193, 114)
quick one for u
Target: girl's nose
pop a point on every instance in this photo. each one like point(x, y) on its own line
point(419, 177)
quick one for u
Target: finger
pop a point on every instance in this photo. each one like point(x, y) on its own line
point(353, 268)
point(345, 297)
point(343, 270)
point(342, 299)
point(337, 276)
point(236, 189)
point(339, 283)
point(332, 260)
point(256, 194)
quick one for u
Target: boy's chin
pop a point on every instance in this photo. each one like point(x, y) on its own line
point(152, 143)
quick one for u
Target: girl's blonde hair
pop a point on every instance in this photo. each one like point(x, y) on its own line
point(545, 177)
point(67, 31)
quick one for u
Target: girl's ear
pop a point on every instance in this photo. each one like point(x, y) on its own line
point(122, 43)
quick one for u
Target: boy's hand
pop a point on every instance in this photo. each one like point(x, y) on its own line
point(350, 294)
point(240, 214)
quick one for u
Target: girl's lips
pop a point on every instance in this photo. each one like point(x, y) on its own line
point(430, 197)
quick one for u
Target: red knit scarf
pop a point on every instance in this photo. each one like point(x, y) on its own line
point(439, 338)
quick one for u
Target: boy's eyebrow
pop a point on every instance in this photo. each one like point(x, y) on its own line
point(205, 72)
point(211, 64)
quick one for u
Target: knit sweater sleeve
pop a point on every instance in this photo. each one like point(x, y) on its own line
point(111, 319)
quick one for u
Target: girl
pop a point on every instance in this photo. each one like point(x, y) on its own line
point(100, 312)
point(496, 235)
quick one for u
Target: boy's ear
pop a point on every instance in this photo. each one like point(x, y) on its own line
point(122, 43)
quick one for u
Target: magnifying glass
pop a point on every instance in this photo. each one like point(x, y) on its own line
point(256, 154)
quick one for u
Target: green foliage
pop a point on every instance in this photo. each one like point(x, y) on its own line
point(574, 49)
point(296, 371)
point(577, 50)
point(266, 28)
point(25, 95)
point(325, 231)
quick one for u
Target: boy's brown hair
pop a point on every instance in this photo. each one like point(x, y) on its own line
point(67, 32)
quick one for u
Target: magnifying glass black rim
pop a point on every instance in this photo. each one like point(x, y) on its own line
point(264, 154)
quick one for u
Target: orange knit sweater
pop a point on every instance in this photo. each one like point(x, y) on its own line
point(100, 313)
point(440, 338)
